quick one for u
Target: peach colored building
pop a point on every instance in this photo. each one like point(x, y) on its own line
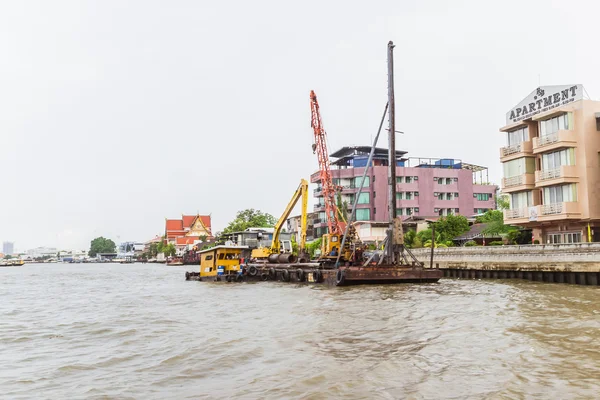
point(551, 165)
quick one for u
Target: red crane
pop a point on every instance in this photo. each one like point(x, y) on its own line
point(320, 147)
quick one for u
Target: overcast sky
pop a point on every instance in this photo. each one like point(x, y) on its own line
point(117, 114)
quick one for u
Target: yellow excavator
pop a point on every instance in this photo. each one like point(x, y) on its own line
point(275, 249)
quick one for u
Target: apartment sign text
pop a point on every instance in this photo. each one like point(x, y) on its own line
point(543, 99)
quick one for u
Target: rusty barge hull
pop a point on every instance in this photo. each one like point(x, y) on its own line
point(316, 274)
point(385, 274)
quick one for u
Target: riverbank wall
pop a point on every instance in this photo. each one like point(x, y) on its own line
point(566, 263)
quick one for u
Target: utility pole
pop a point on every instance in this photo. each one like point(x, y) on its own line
point(391, 247)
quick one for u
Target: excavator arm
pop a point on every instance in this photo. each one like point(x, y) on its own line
point(302, 191)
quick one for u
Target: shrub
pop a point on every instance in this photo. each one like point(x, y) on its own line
point(496, 243)
point(471, 243)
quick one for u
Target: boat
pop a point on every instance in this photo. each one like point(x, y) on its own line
point(13, 262)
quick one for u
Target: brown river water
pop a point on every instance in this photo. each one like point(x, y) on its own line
point(111, 331)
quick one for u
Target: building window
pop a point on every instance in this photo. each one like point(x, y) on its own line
point(416, 178)
point(440, 196)
point(553, 125)
point(482, 196)
point(374, 194)
point(408, 195)
point(374, 210)
point(408, 179)
point(457, 210)
point(399, 179)
point(358, 179)
point(416, 209)
point(554, 238)
point(520, 166)
point(398, 211)
point(373, 179)
point(409, 211)
point(363, 198)
point(561, 193)
point(363, 214)
point(416, 194)
point(399, 195)
point(455, 195)
point(517, 136)
point(448, 196)
point(436, 210)
point(572, 237)
point(556, 159)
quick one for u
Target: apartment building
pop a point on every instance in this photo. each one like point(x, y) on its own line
point(425, 187)
point(551, 165)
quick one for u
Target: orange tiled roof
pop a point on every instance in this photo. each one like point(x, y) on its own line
point(174, 225)
point(186, 240)
point(188, 220)
point(206, 221)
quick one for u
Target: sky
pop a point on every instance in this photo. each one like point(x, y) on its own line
point(118, 114)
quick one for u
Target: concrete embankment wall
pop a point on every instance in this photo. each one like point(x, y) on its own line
point(570, 263)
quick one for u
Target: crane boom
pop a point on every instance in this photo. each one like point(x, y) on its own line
point(320, 147)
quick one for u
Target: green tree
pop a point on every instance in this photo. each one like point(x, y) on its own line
point(502, 202)
point(342, 207)
point(101, 245)
point(203, 237)
point(313, 246)
point(169, 249)
point(250, 218)
point(495, 223)
point(447, 228)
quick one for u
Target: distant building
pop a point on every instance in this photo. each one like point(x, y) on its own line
point(129, 249)
point(8, 248)
point(551, 165)
point(40, 252)
point(293, 226)
point(425, 187)
point(186, 231)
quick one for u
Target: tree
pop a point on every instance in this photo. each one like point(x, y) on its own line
point(342, 207)
point(203, 237)
point(101, 245)
point(502, 202)
point(449, 227)
point(250, 218)
point(313, 246)
point(169, 249)
point(495, 223)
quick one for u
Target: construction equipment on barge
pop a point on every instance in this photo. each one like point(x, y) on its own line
point(395, 264)
point(331, 249)
point(274, 254)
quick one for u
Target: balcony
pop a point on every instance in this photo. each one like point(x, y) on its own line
point(556, 176)
point(558, 211)
point(516, 151)
point(554, 141)
point(518, 183)
point(516, 216)
point(319, 207)
point(317, 192)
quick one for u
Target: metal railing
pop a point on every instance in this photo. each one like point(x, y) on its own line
point(516, 213)
point(550, 173)
point(513, 181)
point(508, 150)
point(549, 209)
point(548, 139)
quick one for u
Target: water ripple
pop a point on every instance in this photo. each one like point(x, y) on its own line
point(140, 331)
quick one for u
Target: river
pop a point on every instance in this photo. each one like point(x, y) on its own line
point(111, 331)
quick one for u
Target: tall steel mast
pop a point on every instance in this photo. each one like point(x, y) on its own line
point(391, 154)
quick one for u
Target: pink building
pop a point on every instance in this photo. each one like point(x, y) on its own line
point(426, 187)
